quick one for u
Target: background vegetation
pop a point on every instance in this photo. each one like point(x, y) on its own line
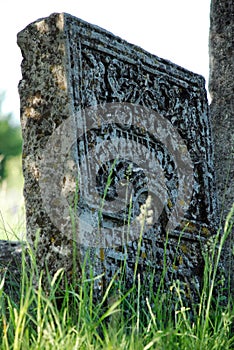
point(12, 217)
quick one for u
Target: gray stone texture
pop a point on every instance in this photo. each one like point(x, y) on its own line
point(69, 65)
point(221, 87)
point(14, 259)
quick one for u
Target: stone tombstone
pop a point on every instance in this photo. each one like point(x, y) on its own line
point(117, 157)
point(221, 87)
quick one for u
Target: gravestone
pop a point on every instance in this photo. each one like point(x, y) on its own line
point(221, 87)
point(117, 157)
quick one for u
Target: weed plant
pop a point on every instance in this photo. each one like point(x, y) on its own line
point(72, 318)
point(42, 320)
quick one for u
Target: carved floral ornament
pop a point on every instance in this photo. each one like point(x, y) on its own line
point(109, 141)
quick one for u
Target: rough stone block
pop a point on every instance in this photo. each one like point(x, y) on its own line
point(221, 87)
point(117, 156)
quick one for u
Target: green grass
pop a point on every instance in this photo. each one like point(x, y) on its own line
point(49, 319)
point(122, 319)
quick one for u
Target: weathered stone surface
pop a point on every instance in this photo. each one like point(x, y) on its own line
point(11, 259)
point(69, 65)
point(221, 86)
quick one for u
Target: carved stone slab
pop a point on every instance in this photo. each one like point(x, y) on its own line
point(98, 113)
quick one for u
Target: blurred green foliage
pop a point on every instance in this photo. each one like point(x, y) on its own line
point(10, 141)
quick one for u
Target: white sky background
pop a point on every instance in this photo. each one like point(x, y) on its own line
point(173, 29)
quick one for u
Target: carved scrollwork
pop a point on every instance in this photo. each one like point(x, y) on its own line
point(109, 79)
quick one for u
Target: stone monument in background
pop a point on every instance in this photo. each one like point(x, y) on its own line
point(221, 87)
point(117, 157)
